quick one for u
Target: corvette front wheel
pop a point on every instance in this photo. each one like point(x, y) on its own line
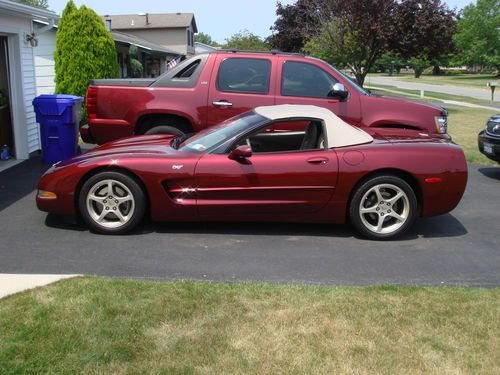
point(383, 207)
point(111, 203)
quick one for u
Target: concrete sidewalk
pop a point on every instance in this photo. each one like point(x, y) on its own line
point(451, 102)
point(14, 283)
point(472, 92)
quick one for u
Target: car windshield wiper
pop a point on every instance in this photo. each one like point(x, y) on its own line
point(178, 140)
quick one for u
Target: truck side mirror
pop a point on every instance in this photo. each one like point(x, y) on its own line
point(338, 91)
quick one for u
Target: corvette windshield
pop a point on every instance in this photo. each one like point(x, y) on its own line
point(210, 138)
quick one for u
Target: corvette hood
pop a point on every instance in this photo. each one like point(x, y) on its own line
point(158, 144)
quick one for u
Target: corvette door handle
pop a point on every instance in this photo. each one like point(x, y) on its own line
point(318, 160)
point(222, 103)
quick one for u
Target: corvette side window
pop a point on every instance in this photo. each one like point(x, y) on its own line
point(287, 136)
point(305, 80)
point(244, 75)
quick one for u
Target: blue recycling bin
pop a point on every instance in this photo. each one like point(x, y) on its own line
point(59, 118)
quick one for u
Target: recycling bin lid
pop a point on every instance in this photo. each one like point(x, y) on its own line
point(59, 98)
point(48, 104)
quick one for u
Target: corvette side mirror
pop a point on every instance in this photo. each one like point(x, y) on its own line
point(241, 152)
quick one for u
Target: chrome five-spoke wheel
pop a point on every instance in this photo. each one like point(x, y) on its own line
point(383, 207)
point(111, 202)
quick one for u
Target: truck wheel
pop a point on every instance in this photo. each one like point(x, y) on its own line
point(112, 203)
point(383, 207)
point(164, 129)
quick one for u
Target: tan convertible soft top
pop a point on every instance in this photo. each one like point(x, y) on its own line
point(338, 132)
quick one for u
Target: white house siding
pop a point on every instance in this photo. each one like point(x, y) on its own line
point(44, 63)
point(26, 132)
point(29, 89)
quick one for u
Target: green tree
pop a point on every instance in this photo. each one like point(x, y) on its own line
point(478, 34)
point(84, 50)
point(245, 40)
point(136, 68)
point(36, 3)
point(295, 24)
point(419, 64)
point(65, 36)
point(424, 30)
point(354, 34)
point(389, 62)
point(205, 39)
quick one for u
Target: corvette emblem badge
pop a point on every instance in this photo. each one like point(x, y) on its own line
point(177, 167)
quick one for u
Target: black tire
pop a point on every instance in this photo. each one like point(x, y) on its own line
point(385, 210)
point(164, 129)
point(111, 224)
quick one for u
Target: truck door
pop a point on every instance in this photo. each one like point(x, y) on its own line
point(307, 82)
point(239, 84)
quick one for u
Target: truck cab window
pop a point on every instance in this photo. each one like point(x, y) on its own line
point(305, 80)
point(188, 71)
point(244, 75)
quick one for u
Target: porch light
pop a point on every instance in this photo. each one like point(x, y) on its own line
point(32, 39)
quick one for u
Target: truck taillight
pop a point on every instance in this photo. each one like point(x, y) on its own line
point(92, 102)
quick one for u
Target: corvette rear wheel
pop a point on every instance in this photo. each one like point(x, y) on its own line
point(383, 207)
point(111, 203)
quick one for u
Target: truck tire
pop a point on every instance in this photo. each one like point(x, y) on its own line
point(163, 125)
point(164, 129)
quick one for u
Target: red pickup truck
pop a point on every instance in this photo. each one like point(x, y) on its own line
point(209, 88)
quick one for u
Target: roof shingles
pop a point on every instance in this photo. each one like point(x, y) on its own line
point(151, 21)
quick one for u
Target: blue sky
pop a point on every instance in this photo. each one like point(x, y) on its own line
point(218, 18)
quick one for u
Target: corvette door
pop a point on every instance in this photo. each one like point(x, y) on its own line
point(278, 183)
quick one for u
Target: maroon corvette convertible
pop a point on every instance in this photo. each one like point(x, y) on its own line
point(279, 163)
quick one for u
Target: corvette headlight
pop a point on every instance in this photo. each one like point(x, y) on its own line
point(442, 123)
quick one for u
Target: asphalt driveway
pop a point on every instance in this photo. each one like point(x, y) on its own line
point(459, 248)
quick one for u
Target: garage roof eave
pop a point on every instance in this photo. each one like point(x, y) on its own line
point(27, 10)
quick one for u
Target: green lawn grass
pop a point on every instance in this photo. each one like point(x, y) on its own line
point(464, 80)
point(111, 326)
point(464, 124)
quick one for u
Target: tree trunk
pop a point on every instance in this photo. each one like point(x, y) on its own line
point(360, 78)
point(418, 72)
point(436, 70)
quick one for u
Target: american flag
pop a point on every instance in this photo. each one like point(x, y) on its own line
point(172, 63)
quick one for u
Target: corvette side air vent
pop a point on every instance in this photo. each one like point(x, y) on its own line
point(180, 191)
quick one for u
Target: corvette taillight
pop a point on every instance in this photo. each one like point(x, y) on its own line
point(92, 102)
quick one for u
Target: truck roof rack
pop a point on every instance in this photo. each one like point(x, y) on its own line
point(271, 52)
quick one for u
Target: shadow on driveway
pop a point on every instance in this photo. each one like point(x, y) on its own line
point(20, 180)
point(493, 172)
point(436, 227)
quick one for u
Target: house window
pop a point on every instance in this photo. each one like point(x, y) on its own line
point(190, 39)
